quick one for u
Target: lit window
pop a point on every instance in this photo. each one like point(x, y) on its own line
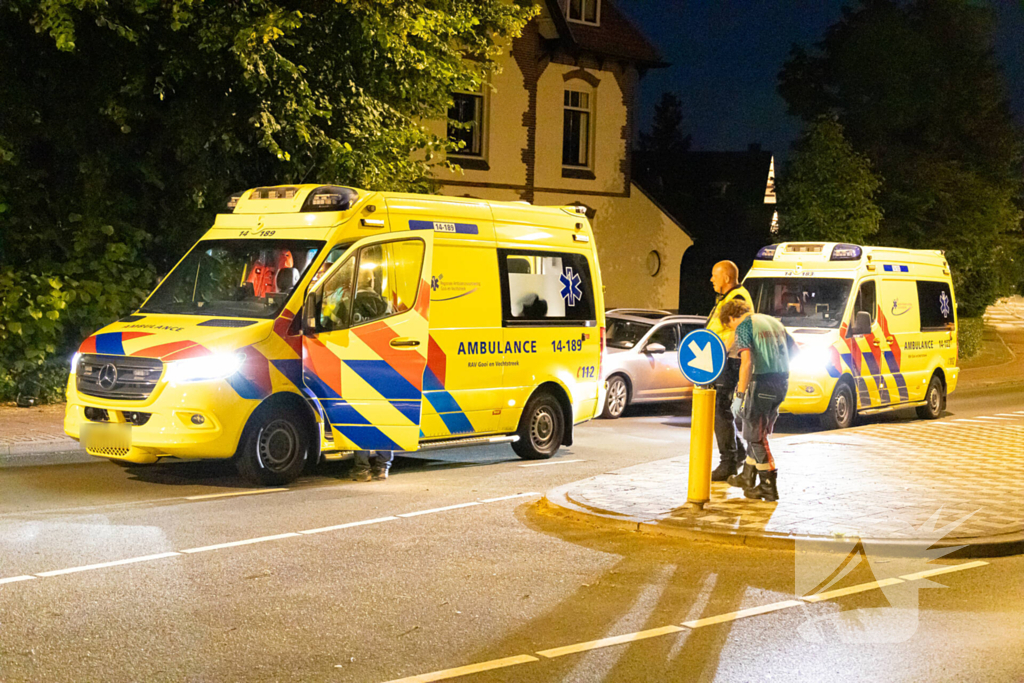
point(467, 110)
point(576, 129)
point(585, 11)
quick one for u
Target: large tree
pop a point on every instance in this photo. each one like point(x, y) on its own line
point(828, 190)
point(125, 124)
point(917, 90)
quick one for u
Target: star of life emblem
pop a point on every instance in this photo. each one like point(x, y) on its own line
point(571, 291)
point(944, 304)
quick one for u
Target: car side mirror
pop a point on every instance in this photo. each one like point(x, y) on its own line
point(861, 323)
point(655, 347)
point(310, 314)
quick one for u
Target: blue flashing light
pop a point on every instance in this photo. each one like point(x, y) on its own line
point(330, 198)
point(846, 252)
point(766, 253)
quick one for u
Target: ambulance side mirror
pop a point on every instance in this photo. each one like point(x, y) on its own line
point(861, 323)
point(311, 314)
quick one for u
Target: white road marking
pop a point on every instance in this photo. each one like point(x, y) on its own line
point(447, 507)
point(751, 612)
point(347, 526)
point(860, 588)
point(104, 565)
point(254, 492)
point(15, 579)
point(1009, 415)
point(553, 462)
point(466, 670)
point(991, 417)
point(233, 544)
point(965, 419)
point(517, 495)
point(943, 570)
point(606, 642)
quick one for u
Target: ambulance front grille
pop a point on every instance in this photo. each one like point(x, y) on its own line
point(118, 377)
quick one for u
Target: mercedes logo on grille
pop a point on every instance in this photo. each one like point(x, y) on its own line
point(108, 376)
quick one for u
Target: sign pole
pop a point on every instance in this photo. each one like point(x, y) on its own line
point(702, 356)
point(702, 432)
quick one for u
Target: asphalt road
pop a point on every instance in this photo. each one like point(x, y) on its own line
point(415, 589)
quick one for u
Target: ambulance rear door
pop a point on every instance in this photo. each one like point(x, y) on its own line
point(365, 340)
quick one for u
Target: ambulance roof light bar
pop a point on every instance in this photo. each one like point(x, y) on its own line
point(330, 198)
point(233, 200)
point(766, 253)
point(846, 252)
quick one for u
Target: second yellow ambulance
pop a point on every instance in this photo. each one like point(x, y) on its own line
point(315, 320)
point(876, 326)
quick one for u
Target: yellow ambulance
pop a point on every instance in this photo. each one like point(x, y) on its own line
point(876, 326)
point(312, 321)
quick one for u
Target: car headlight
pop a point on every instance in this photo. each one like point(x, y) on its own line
point(74, 362)
point(217, 366)
point(812, 359)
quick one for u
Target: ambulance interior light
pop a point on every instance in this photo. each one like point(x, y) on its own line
point(846, 252)
point(766, 253)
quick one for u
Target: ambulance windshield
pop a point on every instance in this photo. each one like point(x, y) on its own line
point(242, 278)
point(801, 301)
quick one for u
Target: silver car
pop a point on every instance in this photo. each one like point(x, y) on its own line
point(641, 363)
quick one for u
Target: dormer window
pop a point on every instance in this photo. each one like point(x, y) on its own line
point(584, 11)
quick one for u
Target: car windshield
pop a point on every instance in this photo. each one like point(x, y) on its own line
point(624, 334)
point(245, 278)
point(801, 301)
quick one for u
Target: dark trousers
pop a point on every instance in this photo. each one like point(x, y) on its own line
point(730, 447)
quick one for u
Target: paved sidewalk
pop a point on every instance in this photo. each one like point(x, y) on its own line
point(34, 435)
point(946, 483)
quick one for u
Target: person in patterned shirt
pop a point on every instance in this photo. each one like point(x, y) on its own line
point(764, 347)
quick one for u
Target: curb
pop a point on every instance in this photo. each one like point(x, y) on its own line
point(55, 452)
point(557, 501)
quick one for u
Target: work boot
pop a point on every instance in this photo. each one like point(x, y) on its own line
point(360, 473)
point(766, 490)
point(746, 479)
point(380, 473)
point(725, 469)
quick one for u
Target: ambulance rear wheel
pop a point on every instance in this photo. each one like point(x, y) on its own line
point(841, 409)
point(274, 449)
point(541, 428)
point(934, 400)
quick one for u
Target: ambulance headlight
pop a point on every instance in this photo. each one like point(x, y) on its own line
point(217, 366)
point(74, 362)
point(811, 360)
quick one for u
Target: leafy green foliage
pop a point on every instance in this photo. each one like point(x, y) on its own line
point(125, 125)
point(917, 91)
point(828, 190)
point(969, 335)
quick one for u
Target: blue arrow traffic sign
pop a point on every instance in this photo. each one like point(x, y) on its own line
point(702, 356)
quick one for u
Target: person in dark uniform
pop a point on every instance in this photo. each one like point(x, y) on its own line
point(725, 278)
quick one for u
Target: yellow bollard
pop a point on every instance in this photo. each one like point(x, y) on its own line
point(702, 432)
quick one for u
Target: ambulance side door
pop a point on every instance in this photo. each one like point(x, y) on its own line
point(900, 322)
point(868, 361)
point(365, 340)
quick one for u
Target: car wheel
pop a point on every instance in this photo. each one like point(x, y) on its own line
point(274, 448)
point(617, 399)
point(541, 428)
point(934, 400)
point(841, 409)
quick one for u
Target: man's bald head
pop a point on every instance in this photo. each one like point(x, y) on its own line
point(724, 276)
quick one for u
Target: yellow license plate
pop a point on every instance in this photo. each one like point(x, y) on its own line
point(111, 440)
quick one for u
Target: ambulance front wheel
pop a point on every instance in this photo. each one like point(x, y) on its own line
point(841, 409)
point(541, 428)
point(934, 400)
point(274, 448)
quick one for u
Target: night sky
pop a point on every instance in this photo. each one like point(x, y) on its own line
point(725, 58)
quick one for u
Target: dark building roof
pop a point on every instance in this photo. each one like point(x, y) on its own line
point(615, 37)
